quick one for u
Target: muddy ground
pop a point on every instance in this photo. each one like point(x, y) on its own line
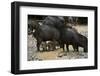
point(57, 54)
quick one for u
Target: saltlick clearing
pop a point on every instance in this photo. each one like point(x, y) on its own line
point(57, 54)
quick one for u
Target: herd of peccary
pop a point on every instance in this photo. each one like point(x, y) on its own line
point(54, 30)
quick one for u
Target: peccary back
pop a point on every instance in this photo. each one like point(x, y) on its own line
point(54, 21)
point(47, 33)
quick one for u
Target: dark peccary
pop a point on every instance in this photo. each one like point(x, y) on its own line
point(70, 26)
point(54, 21)
point(83, 42)
point(46, 33)
point(69, 36)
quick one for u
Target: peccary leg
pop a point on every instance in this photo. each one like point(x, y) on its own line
point(67, 47)
point(38, 44)
point(54, 45)
point(45, 46)
point(75, 47)
point(85, 49)
point(62, 46)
